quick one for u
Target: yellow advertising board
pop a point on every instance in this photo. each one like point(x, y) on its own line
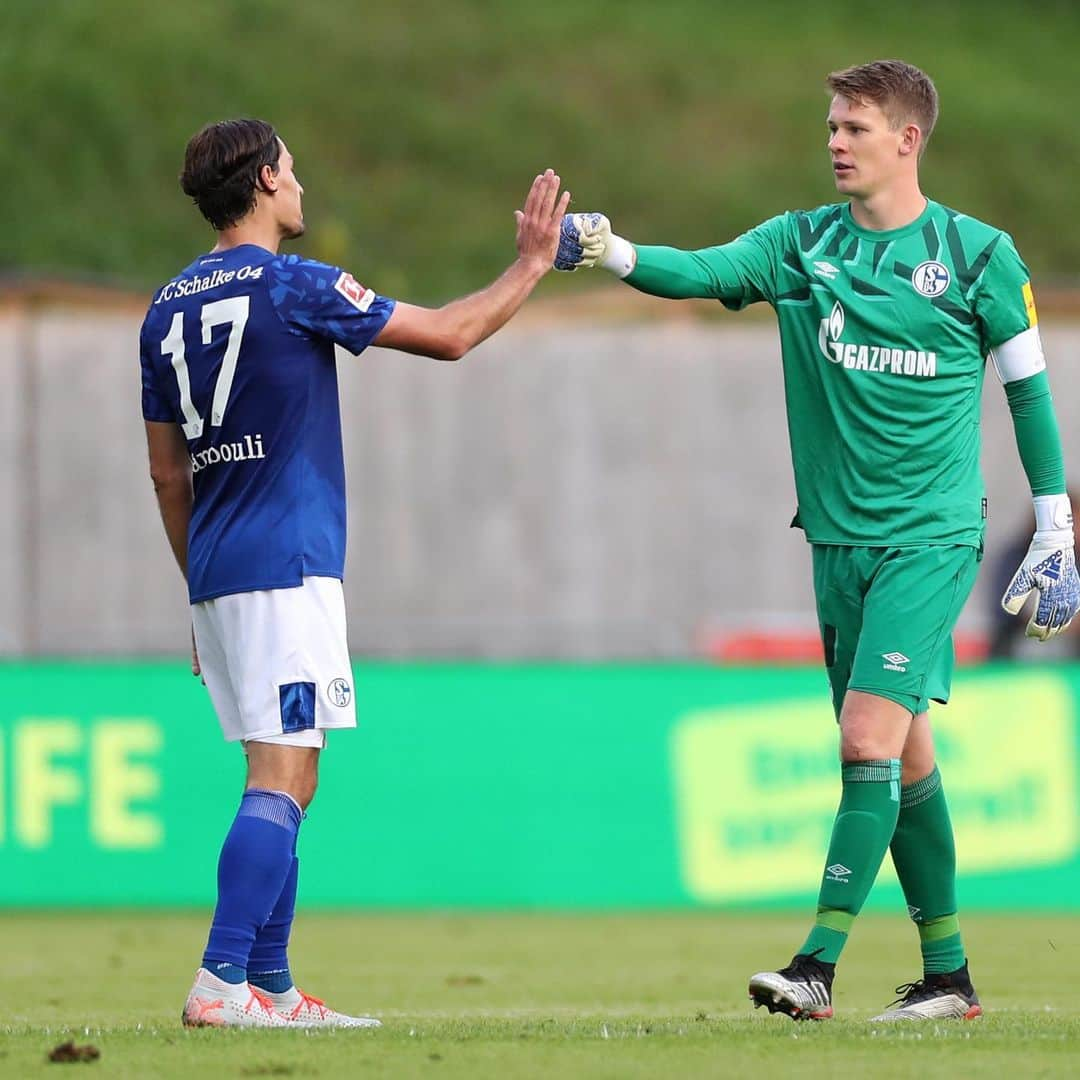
point(756, 786)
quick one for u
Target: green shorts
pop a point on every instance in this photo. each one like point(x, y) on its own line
point(887, 616)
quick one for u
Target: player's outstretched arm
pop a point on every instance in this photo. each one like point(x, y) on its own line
point(720, 273)
point(449, 332)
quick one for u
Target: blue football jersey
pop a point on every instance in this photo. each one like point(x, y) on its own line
point(238, 349)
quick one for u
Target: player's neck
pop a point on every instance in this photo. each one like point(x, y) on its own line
point(264, 234)
point(891, 209)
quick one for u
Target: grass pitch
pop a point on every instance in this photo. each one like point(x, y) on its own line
point(417, 126)
point(535, 996)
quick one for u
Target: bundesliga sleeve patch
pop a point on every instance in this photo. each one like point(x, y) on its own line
point(1029, 304)
point(354, 292)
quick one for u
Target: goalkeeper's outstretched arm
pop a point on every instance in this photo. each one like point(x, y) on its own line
point(586, 241)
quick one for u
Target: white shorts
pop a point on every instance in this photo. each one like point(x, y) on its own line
point(276, 662)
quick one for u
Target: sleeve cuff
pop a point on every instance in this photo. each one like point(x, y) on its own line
point(619, 256)
point(1052, 512)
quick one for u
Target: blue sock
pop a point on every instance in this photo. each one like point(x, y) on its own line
point(230, 973)
point(268, 964)
point(256, 859)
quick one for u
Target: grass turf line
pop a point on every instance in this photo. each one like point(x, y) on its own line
point(534, 995)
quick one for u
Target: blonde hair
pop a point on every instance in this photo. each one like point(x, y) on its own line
point(902, 92)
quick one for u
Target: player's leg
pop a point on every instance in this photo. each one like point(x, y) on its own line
point(287, 763)
point(268, 961)
point(315, 658)
point(873, 731)
point(275, 767)
point(922, 846)
point(872, 735)
point(906, 602)
point(924, 855)
point(258, 854)
point(254, 858)
point(905, 653)
point(269, 768)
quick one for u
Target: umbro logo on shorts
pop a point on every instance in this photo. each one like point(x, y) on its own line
point(894, 661)
point(837, 872)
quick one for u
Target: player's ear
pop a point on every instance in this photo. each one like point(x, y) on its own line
point(267, 179)
point(910, 140)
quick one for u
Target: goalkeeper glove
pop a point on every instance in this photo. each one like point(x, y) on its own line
point(586, 240)
point(1048, 569)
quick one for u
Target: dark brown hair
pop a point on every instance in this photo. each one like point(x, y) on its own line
point(902, 92)
point(222, 164)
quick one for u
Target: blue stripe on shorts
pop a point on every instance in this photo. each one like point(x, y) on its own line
point(297, 706)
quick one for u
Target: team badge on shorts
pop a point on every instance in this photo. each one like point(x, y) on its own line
point(339, 692)
point(931, 278)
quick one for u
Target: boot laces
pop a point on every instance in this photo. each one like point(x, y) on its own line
point(259, 998)
point(306, 1003)
point(911, 991)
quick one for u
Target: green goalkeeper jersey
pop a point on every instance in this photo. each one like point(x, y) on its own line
point(884, 337)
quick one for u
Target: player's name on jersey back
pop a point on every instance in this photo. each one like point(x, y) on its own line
point(249, 449)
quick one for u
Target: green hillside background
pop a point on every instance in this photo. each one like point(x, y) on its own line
point(417, 127)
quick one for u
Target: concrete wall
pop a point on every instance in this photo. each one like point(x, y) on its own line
point(566, 491)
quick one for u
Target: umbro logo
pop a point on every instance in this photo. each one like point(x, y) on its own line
point(837, 872)
point(895, 661)
point(826, 270)
point(914, 912)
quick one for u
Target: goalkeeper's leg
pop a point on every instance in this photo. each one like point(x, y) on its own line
point(904, 657)
point(924, 854)
point(873, 732)
point(925, 858)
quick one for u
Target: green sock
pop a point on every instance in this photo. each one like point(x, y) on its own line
point(925, 858)
point(864, 825)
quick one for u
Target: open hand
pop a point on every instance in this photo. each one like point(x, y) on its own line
point(538, 223)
